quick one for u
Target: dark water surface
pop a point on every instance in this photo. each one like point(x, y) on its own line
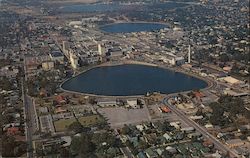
point(132, 27)
point(127, 80)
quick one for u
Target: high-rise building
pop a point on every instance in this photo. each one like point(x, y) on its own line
point(100, 49)
point(73, 60)
point(189, 54)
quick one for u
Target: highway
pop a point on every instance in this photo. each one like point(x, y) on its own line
point(219, 145)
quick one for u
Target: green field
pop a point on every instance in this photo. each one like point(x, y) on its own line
point(62, 125)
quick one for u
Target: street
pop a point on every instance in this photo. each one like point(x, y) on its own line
point(30, 120)
point(200, 129)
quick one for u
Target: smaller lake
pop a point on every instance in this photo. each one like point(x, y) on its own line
point(129, 80)
point(132, 27)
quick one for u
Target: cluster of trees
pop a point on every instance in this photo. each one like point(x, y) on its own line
point(77, 127)
point(227, 109)
point(5, 84)
point(42, 82)
point(89, 145)
point(11, 147)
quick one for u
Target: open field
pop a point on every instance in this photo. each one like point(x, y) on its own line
point(62, 125)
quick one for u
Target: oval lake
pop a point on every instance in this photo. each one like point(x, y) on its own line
point(129, 80)
point(132, 27)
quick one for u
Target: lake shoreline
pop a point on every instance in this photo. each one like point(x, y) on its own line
point(132, 62)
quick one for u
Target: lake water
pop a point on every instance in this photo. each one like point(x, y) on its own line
point(128, 80)
point(132, 27)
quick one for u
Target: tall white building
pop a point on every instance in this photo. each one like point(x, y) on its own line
point(73, 60)
point(100, 49)
point(189, 54)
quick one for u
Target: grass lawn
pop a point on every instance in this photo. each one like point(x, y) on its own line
point(62, 125)
point(90, 120)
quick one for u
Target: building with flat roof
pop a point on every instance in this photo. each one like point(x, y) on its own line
point(106, 102)
point(173, 59)
point(57, 56)
point(48, 65)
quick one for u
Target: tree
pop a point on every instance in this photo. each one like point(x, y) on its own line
point(83, 146)
point(77, 127)
point(99, 138)
point(126, 130)
point(64, 153)
point(224, 58)
point(12, 148)
point(217, 116)
point(8, 144)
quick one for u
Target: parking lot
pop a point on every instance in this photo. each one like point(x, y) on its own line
point(118, 116)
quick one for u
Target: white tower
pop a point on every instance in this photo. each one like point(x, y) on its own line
point(73, 60)
point(63, 46)
point(99, 49)
point(189, 54)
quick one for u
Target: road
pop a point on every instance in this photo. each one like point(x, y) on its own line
point(30, 120)
point(125, 150)
point(220, 146)
point(28, 132)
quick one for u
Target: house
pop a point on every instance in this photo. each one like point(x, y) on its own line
point(43, 92)
point(59, 116)
point(150, 153)
point(60, 99)
point(198, 94)
point(244, 128)
point(134, 141)
point(141, 155)
point(232, 143)
point(188, 129)
point(160, 151)
point(171, 149)
point(175, 124)
point(150, 138)
point(164, 109)
point(208, 143)
point(182, 149)
point(179, 136)
point(6, 126)
point(194, 135)
point(140, 127)
point(60, 110)
point(13, 131)
point(167, 137)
